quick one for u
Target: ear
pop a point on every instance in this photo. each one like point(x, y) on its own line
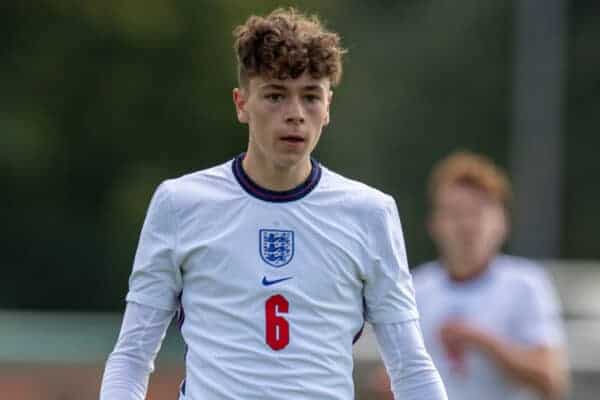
point(239, 100)
point(329, 98)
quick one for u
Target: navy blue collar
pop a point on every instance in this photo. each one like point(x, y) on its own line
point(271, 195)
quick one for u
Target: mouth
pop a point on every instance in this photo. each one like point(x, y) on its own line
point(292, 139)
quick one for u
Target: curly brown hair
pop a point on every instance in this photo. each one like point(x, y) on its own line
point(284, 45)
point(474, 170)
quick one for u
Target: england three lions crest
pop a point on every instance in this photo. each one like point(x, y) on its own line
point(276, 246)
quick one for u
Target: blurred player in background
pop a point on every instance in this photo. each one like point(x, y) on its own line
point(274, 261)
point(491, 322)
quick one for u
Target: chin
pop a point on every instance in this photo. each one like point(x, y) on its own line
point(290, 159)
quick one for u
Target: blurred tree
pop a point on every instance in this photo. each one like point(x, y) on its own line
point(582, 190)
point(101, 100)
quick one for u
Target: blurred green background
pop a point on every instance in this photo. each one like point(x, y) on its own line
point(102, 100)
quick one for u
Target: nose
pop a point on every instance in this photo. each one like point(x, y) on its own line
point(294, 112)
point(468, 225)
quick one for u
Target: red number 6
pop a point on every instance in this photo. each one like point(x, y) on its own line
point(277, 329)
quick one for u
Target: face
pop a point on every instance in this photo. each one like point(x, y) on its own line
point(468, 227)
point(285, 117)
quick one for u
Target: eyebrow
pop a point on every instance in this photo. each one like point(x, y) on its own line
point(274, 86)
point(313, 87)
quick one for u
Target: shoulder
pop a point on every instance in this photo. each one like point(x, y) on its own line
point(521, 273)
point(210, 184)
point(428, 275)
point(533, 294)
point(355, 194)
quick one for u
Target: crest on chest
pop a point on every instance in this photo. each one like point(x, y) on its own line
point(276, 246)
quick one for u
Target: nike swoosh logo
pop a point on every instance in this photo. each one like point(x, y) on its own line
point(267, 282)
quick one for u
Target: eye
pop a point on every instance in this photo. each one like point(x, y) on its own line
point(312, 98)
point(274, 97)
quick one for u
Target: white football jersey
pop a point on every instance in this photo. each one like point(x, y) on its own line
point(274, 286)
point(513, 299)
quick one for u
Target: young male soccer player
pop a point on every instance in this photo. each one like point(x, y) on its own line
point(274, 260)
point(491, 321)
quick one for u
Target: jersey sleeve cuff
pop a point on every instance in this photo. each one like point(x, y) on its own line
point(161, 304)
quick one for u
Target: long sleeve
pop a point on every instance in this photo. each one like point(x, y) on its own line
point(129, 365)
point(413, 375)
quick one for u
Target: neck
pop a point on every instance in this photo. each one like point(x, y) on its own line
point(272, 176)
point(465, 270)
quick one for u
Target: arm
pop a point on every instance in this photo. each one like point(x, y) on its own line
point(132, 360)
point(534, 355)
point(540, 367)
point(154, 285)
point(412, 373)
point(391, 309)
